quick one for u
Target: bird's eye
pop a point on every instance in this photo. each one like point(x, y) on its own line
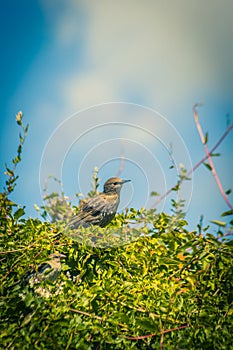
point(115, 183)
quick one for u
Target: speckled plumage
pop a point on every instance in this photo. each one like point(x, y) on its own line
point(100, 209)
point(48, 270)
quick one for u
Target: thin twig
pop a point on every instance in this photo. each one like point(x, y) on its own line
point(17, 250)
point(122, 163)
point(165, 322)
point(160, 198)
point(93, 316)
point(154, 334)
point(226, 234)
point(176, 167)
point(208, 155)
point(86, 314)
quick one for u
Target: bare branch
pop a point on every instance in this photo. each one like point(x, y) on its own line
point(208, 155)
point(189, 173)
point(162, 332)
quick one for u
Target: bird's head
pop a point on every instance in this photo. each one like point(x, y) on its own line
point(114, 184)
point(57, 256)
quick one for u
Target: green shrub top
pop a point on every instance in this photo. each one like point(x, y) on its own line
point(148, 283)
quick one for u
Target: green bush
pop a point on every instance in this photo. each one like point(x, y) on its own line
point(167, 288)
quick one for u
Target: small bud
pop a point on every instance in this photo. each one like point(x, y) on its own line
point(36, 207)
point(19, 117)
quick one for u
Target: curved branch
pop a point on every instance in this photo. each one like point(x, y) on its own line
point(160, 198)
point(154, 334)
point(208, 155)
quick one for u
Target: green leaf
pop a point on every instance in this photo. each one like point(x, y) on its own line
point(147, 324)
point(176, 188)
point(219, 223)
point(226, 213)
point(21, 139)
point(206, 138)
point(29, 299)
point(154, 194)
point(9, 172)
point(228, 191)
point(215, 154)
point(20, 212)
point(207, 166)
point(228, 119)
point(167, 261)
point(26, 128)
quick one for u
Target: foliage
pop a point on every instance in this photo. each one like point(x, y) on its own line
point(57, 206)
point(167, 288)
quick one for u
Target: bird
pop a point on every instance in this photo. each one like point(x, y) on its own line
point(100, 209)
point(48, 271)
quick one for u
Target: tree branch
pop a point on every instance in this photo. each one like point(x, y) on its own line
point(189, 173)
point(154, 334)
point(208, 155)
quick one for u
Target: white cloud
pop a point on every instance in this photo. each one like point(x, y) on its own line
point(86, 90)
point(161, 51)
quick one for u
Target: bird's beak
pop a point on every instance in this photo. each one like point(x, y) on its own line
point(63, 256)
point(124, 181)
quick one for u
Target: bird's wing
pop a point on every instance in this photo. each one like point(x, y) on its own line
point(26, 278)
point(45, 267)
point(33, 273)
point(95, 205)
point(92, 209)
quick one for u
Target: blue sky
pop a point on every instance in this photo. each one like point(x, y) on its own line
point(88, 74)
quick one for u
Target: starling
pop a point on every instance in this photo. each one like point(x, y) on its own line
point(48, 270)
point(100, 209)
